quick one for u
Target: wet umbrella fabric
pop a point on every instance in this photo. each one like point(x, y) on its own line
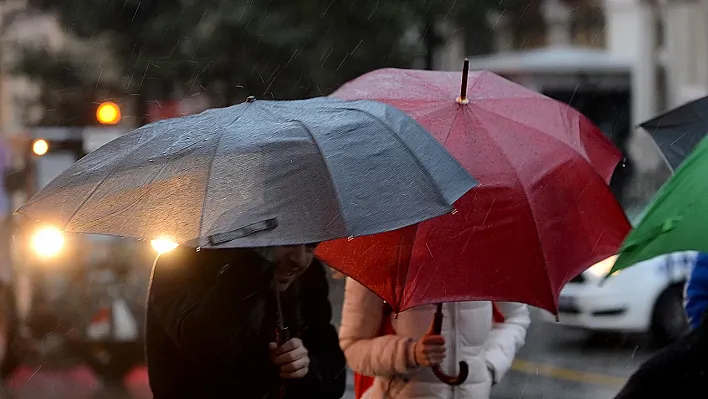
point(541, 214)
point(257, 174)
point(678, 131)
point(677, 217)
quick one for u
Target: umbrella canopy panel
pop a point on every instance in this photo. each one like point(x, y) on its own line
point(542, 212)
point(676, 218)
point(678, 131)
point(259, 173)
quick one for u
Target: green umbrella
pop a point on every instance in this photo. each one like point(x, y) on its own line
point(677, 217)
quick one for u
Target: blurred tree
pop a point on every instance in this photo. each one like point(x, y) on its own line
point(469, 16)
point(234, 48)
point(64, 93)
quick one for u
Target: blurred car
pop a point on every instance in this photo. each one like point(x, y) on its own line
point(647, 297)
point(75, 296)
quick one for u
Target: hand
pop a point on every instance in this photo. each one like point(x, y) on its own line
point(291, 357)
point(429, 350)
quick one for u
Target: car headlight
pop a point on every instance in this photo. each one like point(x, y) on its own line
point(163, 245)
point(602, 268)
point(47, 242)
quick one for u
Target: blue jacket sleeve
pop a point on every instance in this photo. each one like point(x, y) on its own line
point(697, 291)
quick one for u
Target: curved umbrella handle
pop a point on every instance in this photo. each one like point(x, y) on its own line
point(464, 368)
point(451, 379)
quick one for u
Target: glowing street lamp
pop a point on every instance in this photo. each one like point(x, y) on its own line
point(163, 245)
point(48, 242)
point(40, 147)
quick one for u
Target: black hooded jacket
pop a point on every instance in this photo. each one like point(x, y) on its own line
point(677, 371)
point(211, 315)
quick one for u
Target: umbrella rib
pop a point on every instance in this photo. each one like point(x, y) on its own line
point(324, 160)
point(329, 172)
point(425, 170)
point(452, 125)
point(661, 152)
point(407, 272)
point(95, 189)
point(208, 176)
point(96, 222)
point(530, 208)
point(501, 116)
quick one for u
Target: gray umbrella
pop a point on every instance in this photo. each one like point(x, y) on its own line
point(678, 131)
point(259, 173)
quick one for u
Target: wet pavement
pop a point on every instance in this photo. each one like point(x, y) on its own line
point(555, 363)
point(570, 364)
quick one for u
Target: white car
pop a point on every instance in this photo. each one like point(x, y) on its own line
point(647, 297)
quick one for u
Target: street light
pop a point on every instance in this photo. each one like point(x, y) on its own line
point(40, 147)
point(108, 113)
point(48, 242)
point(163, 245)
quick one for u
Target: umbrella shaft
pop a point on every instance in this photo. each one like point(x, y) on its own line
point(437, 320)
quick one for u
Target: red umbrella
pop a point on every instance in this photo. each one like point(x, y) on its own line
point(541, 214)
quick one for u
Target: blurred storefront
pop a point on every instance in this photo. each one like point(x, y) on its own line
point(587, 79)
point(158, 110)
point(620, 62)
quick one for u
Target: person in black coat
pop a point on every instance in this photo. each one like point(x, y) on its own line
point(213, 320)
point(677, 371)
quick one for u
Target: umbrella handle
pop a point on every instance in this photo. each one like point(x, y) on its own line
point(282, 334)
point(464, 368)
point(450, 379)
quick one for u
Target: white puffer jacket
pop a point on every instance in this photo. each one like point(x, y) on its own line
point(469, 331)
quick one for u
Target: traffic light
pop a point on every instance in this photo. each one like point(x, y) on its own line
point(108, 113)
point(43, 146)
point(22, 178)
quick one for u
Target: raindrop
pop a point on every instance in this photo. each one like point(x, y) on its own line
point(634, 354)
point(454, 211)
point(350, 238)
point(151, 160)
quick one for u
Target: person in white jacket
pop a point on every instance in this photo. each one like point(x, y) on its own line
point(401, 362)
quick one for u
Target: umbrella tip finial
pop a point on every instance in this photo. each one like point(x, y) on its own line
point(250, 99)
point(462, 99)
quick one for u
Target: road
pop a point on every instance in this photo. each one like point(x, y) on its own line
point(566, 364)
point(555, 363)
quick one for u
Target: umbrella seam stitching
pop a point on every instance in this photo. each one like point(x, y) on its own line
point(95, 189)
point(531, 211)
point(661, 152)
point(329, 172)
point(546, 135)
point(422, 167)
point(324, 161)
point(405, 279)
point(208, 177)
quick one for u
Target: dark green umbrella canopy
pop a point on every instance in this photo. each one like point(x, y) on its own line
point(676, 219)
